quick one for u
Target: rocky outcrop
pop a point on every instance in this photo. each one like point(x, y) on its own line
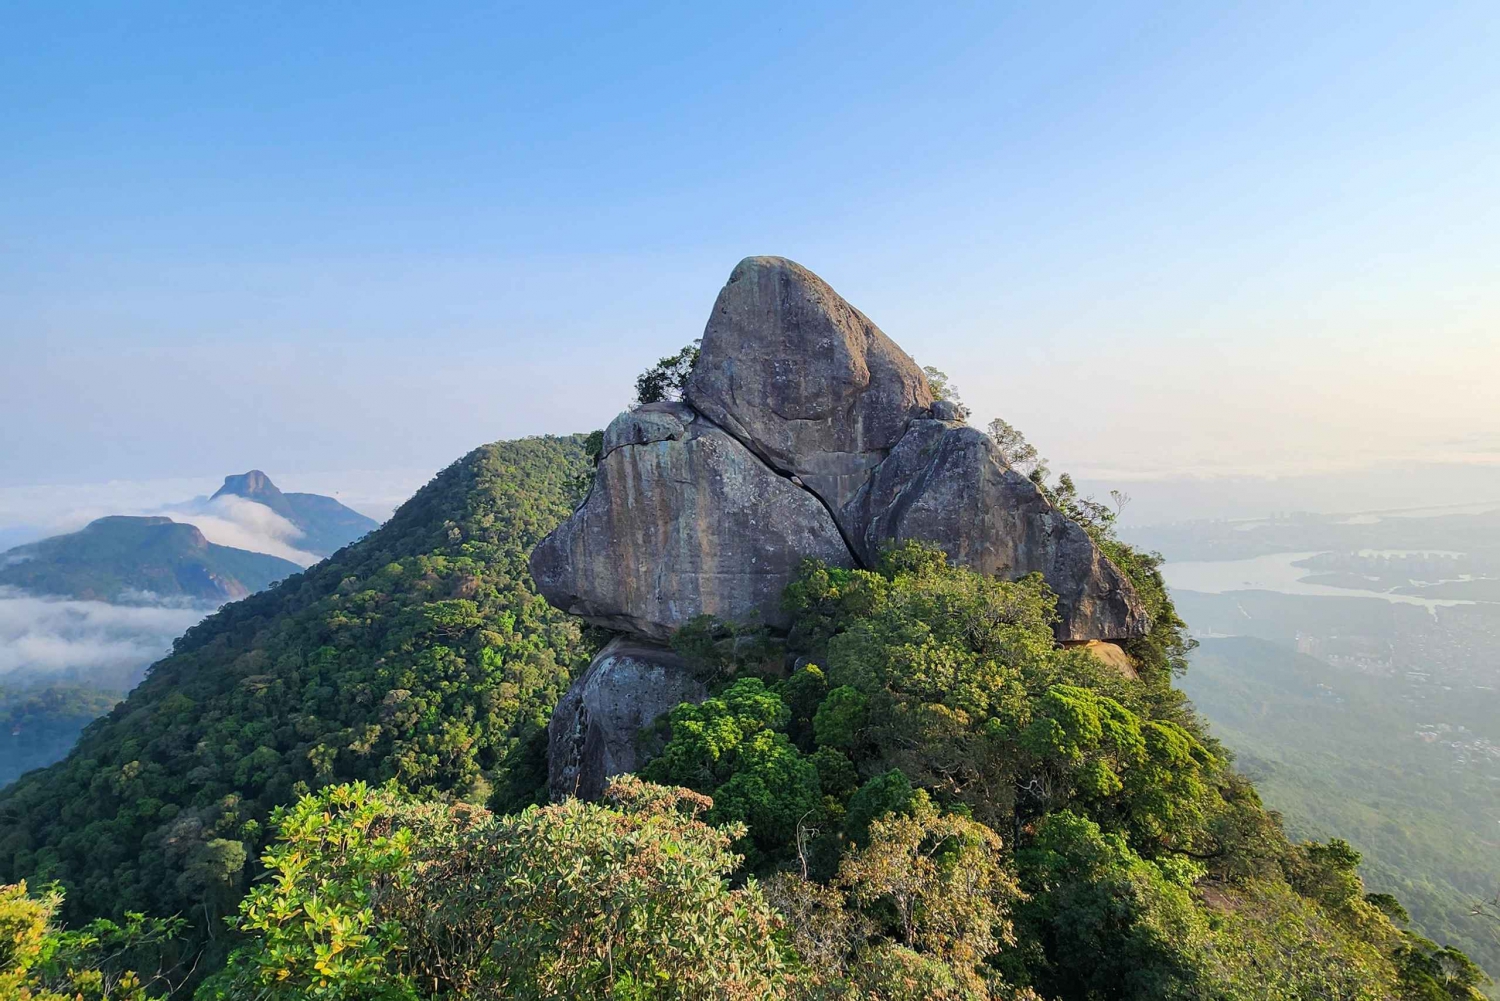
point(1113, 656)
point(593, 730)
point(682, 521)
point(644, 425)
point(804, 379)
point(805, 432)
point(947, 483)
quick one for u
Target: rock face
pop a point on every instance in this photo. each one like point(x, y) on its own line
point(805, 432)
point(1112, 655)
point(682, 521)
point(644, 425)
point(804, 379)
point(947, 483)
point(593, 729)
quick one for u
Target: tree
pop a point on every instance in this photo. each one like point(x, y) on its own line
point(1149, 776)
point(943, 389)
point(666, 380)
point(314, 926)
point(733, 747)
point(40, 961)
point(1023, 457)
point(913, 913)
point(1105, 923)
point(377, 896)
point(1018, 453)
point(1430, 972)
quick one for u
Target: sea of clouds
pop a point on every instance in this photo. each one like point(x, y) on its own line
point(47, 639)
point(32, 512)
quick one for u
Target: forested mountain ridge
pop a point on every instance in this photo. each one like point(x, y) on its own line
point(975, 812)
point(420, 653)
point(115, 557)
point(915, 772)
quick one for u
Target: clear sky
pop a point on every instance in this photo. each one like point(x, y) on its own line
point(1162, 239)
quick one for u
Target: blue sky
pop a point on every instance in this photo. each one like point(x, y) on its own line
point(1165, 240)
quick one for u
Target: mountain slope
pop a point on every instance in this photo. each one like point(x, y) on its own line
point(38, 725)
point(421, 653)
point(327, 526)
point(1339, 753)
point(114, 556)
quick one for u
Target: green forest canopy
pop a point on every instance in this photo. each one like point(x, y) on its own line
point(421, 653)
point(937, 802)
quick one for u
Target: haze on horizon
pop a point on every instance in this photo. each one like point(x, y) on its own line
point(1175, 242)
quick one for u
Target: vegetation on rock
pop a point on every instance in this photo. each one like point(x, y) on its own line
point(665, 381)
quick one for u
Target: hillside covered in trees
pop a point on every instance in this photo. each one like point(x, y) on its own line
point(420, 654)
point(118, 557)
point(910, 774)
point(938, 802)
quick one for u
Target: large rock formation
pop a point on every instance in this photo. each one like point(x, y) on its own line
point(593, 730)
point(806, 432)
point(947, 483)
point(803, 378)
point(682, 521)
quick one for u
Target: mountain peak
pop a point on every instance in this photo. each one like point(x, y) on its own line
point(112, 522)
point(257, 486)
point(254, 485)
point(325, 524)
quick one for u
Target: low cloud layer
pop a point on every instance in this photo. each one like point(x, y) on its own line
point(243, 524)
point(44, 639)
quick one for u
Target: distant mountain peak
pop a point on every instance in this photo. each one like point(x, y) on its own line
point(254, 485)
point(325, 524)
point(153, 528)
point(119, 555)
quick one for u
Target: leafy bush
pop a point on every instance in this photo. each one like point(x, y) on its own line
point(376, 896)
point(41, 962)
point(914, 912)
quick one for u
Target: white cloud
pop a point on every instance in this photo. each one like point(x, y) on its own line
point(243, 524)
point(86, 640)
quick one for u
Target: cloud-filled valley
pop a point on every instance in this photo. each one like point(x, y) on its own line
point(49, 638)
point(242, 524)
point(46, 639)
